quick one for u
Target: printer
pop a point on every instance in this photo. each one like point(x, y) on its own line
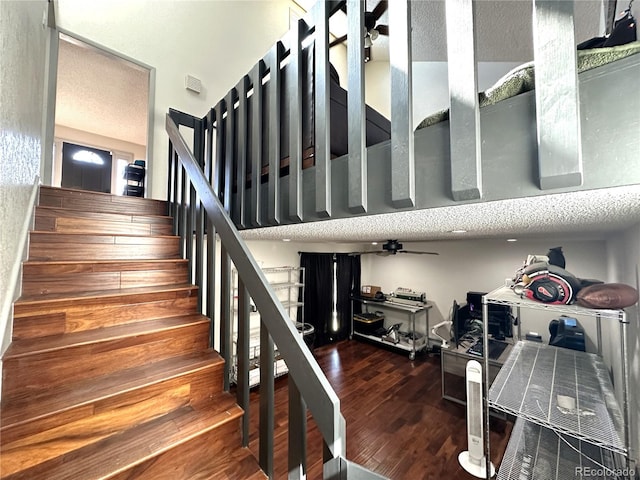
point(566, 332)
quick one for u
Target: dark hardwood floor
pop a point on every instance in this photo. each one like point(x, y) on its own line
point(397, 423)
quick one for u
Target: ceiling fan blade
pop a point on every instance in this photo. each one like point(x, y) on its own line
point(380, 9)
point(415, 252)
point(338, 41)
point(383, 29)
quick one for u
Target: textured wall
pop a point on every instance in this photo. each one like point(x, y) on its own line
point(22, 61)
point(624, 265)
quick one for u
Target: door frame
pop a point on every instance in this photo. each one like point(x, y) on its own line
point(47, 173)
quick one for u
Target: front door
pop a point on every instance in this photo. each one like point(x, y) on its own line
point(86, 168)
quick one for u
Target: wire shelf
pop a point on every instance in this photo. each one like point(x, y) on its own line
point(535, 452)
point(564, 390)
point(506, 296)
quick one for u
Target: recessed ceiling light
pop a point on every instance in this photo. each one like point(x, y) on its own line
point(374, 243)
point(286, 239)
point(458, 231)
point(512, 239)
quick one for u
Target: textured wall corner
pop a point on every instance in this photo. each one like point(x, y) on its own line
point(22, 71)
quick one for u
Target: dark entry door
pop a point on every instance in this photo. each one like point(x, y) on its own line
point(86, 168)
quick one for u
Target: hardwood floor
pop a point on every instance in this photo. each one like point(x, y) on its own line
point(397, 423)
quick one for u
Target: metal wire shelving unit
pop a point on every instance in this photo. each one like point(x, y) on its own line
point(567, 412)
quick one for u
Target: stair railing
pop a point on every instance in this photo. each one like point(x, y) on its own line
point(194, 204)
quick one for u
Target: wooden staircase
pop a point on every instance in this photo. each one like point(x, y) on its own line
point(109, 374)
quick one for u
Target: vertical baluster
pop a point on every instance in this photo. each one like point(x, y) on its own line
point(170, 192)
point(242, 351)
point(256, 141)
point(464, 113)
point(273, 91)
point(225, 313)
point(294, 93)
point(557, 99)
point(267, 401)
point(183, 213)
point(357, 166)
point(297, 433)
point(218, 181)
point(322, 110)
point(229, 139)
point(403, 181)
point(241, 172)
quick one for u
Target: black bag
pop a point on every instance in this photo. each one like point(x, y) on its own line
point(624, 31)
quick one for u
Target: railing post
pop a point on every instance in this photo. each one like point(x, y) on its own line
point(322, 99)
point(295, 120)
point(257, 116)
point(225, 313)
point(464, 111)
point(267, 401)
point(273, 185)
point(403, 175)
point(357, 166)
point(557, 98)
point(242, 357)
point(297, 433)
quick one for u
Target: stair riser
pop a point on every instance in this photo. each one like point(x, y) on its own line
point(129, 217)
point(49, 369)
point(85, 225)
point(97, 202)
point(147, 402)
point(63, 279)
point(192, 459)
point(56, 318)
point(59, 247)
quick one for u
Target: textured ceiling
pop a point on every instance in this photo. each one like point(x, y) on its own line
point(100, 93)
point(579, 214)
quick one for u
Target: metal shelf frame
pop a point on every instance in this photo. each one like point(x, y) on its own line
point(289, 281)
point(535, 452)
point(589, 412)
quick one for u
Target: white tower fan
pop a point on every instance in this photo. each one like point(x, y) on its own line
point(474, 460)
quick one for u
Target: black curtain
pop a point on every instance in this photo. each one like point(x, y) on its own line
point(348, 285)
point(318, 294)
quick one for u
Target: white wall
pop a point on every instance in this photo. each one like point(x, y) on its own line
point(22, 64)
point(461, 266)
point(215, 41)
point(623, 254)
point(430, 85)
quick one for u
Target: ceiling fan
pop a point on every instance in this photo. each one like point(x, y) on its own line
point(372, 29)
point(391, 247)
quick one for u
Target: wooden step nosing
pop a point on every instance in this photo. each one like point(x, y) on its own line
point(201, 366)
point(230, 416)
point(103, 339)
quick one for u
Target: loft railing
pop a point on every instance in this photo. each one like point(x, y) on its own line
point(259, 189)
point(194, 205)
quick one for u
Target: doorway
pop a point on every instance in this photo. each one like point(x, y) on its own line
point(86, 168)
point(102, 105)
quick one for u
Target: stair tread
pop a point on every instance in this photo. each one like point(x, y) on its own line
point(100, 195)
point(32, 346)
point(99, 294)
point(34, 405)
point(121, 451)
